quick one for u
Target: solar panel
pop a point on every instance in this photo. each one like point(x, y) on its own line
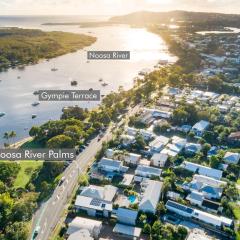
point(95, 202)
point(180, 207)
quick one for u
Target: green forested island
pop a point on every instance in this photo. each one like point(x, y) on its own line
point(24, 46)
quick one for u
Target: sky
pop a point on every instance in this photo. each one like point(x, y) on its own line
point(112, 7)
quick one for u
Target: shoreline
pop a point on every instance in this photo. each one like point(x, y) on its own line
point(19, 143)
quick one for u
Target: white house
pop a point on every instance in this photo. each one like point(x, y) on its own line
point(127, 139)
point(200, 127)
point(231, 158)
point(193, 148)
point(201, 216)
point(93, 207)
point(158, 143)
point(110, 153)
point(195, 198)
point(202, 170)
point(159, 159)
point(127, 216)
point(147, 172)
point(132, 158)
point(147, 135)
point(82, 234)
point(92, 226)
point(107, 192)
point(128, 232)
point(151, 194)
point(209, 187)
point(110, 165)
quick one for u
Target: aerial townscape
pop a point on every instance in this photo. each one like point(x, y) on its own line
point(157, 158)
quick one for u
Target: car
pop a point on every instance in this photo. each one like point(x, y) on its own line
point(36, 231)
point(62, 180)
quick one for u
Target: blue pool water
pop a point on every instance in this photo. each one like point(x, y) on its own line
point(132, 198)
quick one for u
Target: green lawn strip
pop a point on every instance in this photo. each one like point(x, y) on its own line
point(25, 173)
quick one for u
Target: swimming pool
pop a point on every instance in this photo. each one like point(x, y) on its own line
point(132, 199)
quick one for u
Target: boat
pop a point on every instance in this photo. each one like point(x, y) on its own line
point(104, 84)
point(34, 116)
point(88, 62)
point(36, 93)
point(54, 69)
point(2, 114)
point(74, 83)
point(100, 80)
point(35, 104)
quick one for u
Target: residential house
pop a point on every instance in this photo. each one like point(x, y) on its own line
point(83, 234)
point(202, 170)
point(150, 197)
point(93, 207)
point(231, 158)
point(147, 172)
point(127, 140)
point(91, 227)
point(212, 152)
point(211, 206)
point(127, 216)
point(128, 232)
point(175, 147)
point(193, 148)
point(132, 158)
point(195, 198)
point(198, 215)
point(209, 187)
point(110, 165)
point(106, 193)
point(158, 143)
point(234, 137)
point(200, 127)
point(159, 159)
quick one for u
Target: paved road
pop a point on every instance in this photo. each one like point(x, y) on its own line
point(50, 212)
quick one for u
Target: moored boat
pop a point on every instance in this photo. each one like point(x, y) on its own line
point(2, 114)
point(74, 83)
point(35, 104)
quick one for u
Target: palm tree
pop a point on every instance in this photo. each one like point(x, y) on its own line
point(12, 134)
point(6, 136)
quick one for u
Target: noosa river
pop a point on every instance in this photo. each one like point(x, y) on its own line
point(17, 85)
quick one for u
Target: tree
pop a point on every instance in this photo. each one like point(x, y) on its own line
point(182, 232)
point(17, 230)
point(215, 84)
point(215, 162)
point(60, 141)
point(156, 229)
point(147, 228)
point(6, 206)
point(180, 116)
point(140, 143)
point(161, 209)
point(12, 134)
point(6, 136)
point(206, 147)
point(34, 131)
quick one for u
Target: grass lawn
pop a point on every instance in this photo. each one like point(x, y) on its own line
point(25, 173)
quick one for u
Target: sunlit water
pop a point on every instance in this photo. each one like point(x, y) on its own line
point(16, 95)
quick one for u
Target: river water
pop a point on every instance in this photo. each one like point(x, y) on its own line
point(17, 86)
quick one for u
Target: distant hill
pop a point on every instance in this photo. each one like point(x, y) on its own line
point(182, 17)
